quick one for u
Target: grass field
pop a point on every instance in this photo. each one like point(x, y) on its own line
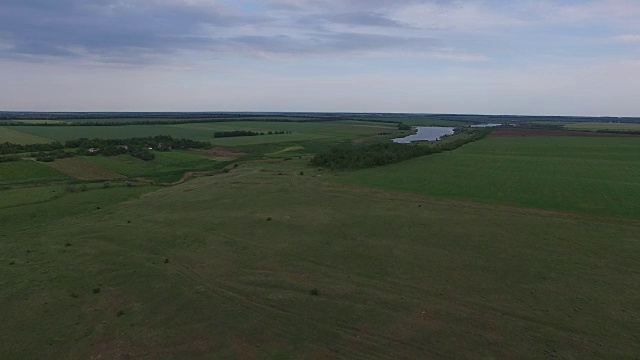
point(62, 133)
point(28, 171)
point(169, 166)
point(82, 169)
point(507, 248)
point(331, 131)
point(13, 135)
point(25, 196)
point(598, 176)
point(399, 276)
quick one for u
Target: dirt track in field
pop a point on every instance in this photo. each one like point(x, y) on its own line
point(514, 131)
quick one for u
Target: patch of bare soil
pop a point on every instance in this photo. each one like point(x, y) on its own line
point(515, 131)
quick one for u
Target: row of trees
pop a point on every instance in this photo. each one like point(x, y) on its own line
point(8, 158)
point(137, 147)
point(160, 143)
point(235, 133)
point(10, 148)
point(388, 153)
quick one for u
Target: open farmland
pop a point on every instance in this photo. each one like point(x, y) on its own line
point(590, 175)
point(391, 280)
point(27, 171)
point(62, 133)
point(301, 131)
point(13, 135)
point(509, 247)
point(82, 169)
point(167, 166)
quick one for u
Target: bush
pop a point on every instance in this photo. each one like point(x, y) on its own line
point(314, 292)
point(9, 158)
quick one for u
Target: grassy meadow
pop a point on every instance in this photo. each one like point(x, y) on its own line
point(198, 271)
point(505, 248)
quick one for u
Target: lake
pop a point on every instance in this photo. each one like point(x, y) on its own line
point(425, 133)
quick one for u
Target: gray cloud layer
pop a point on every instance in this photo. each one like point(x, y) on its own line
point(140, 31)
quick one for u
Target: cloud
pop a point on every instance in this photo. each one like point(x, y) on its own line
point(628, 38)
point(139, 31)
point(111, 29)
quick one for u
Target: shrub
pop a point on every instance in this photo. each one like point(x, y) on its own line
point(314, 292)
point(96, 290)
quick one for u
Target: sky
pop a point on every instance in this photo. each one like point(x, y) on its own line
point(525, 57)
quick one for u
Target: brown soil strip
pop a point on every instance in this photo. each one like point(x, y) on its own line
point(515, 131)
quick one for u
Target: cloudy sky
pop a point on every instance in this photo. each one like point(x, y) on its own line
point(570, 57)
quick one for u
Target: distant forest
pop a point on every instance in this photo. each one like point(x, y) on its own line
point(152, 118)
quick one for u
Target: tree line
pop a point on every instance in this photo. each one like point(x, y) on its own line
point(139, 147)
point(235, 133)
point(388, 153)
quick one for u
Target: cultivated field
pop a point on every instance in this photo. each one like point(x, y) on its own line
point(589, 175)
point(595, 126)
point(12, 135)
point(82, 169)
point(26, 171)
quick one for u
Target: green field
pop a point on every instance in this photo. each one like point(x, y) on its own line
point(505, 248)
point(13, 135)
point(28, 171)
point(169, 166)
point(398, 275)
point(24, 196)
point(62, 133)
point(599, 176)
point(205, 131)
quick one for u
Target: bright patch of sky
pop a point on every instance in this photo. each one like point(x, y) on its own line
point(441, 56)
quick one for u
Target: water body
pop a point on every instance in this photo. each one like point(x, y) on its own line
point(425, 133)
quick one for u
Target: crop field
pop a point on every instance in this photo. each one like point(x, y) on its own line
point(62, 133)
point(82, 169)
point(28, 171)
point(593, 126)
point(13, 135)
point(510, 247)
point(598, 176)
point(224, 267)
